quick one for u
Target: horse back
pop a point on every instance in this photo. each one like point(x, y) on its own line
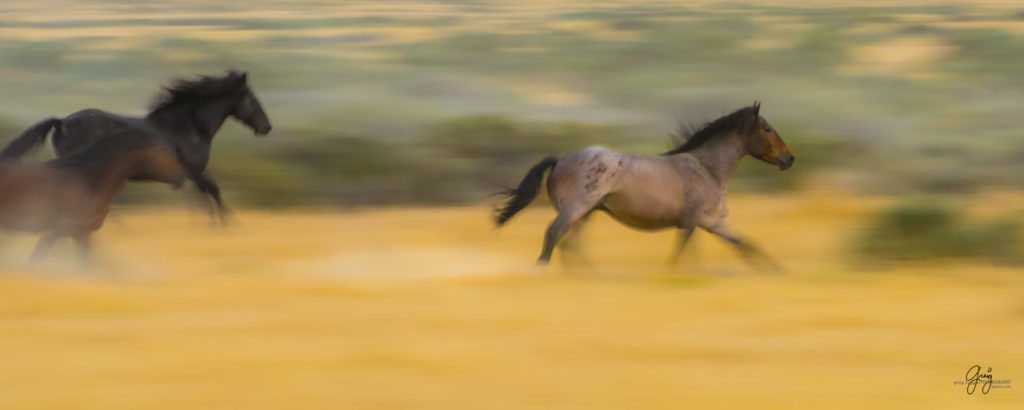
point(84, 128)
point(604, 170)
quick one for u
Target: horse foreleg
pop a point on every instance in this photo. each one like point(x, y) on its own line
point(682, 238)
point(206, 185)
point(747, 249)
point(84, 241)
point(43, 247)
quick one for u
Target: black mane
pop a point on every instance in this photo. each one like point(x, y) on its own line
point(203, 87)
point(739, 119)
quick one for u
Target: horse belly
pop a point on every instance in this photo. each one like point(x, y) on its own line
point(27, 216)
point(647, 211)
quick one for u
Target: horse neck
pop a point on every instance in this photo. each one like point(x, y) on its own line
point(203, 118)
point(721, 155)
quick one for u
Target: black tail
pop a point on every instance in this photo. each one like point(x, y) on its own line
point(29, 140)
point(520, 197)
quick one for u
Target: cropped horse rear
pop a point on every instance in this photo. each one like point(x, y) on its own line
point(70, 197)
point(684, 188)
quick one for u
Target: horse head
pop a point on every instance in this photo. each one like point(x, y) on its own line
point(248, 109)
point(764, 143)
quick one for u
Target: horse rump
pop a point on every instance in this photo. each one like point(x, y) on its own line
point(29, 140)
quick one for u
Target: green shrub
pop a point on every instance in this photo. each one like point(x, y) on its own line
point(929, 229)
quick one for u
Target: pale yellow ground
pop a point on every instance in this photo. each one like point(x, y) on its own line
point(433, 309)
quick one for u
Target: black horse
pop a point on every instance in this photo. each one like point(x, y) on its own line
point(187, 114)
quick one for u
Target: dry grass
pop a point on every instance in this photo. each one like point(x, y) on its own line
point(431, 308)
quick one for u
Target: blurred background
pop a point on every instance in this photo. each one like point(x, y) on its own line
point(394, 122)
point(441, 102)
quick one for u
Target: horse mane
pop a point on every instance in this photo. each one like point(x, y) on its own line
point(202, 87)
point(691, 140)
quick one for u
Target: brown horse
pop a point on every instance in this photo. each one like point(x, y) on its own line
point(684, 188)
point(70, 196)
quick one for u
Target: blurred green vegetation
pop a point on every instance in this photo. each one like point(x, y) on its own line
point(447, 102)
point(459, 160)
point(922, 229)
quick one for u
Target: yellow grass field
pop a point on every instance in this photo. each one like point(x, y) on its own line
point(433, 309)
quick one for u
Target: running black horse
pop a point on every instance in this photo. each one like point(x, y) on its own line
point(186, 114)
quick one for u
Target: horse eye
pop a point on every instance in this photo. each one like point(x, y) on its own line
point(767, 129)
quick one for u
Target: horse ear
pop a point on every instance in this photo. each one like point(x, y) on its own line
point(237, 76)
point(757, 109)
point(240, 77)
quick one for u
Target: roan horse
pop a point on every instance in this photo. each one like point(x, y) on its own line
point(70, 196)
point(187, 114)
point(684, 188)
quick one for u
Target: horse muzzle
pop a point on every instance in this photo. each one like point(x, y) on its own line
point(787, 162)
point(262, 130)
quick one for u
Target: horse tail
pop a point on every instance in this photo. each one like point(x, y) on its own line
point(520, 197)
point(29, 140)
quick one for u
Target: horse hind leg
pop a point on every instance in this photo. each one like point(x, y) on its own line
point(566, 220)
point(571, 243)
point(575, 193)
point(43, 247)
